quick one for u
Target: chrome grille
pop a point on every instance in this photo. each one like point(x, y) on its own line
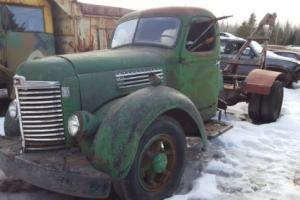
point(40, 115)
point(130, 79)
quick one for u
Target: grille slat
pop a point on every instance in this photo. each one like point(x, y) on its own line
point(44, 135)
point(41, 111)
point(42, 121)
point(40, 102)
point(40, 107)
point(39, 97)
point(43, 125)
point(39, 92)
point(44, 139)
point(41, 115)
point(41, 130)
point(45, 148)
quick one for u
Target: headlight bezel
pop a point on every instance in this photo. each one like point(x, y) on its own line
point(74, 125)
point(13, 109)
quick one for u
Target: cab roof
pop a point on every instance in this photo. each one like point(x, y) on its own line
point(175, 11)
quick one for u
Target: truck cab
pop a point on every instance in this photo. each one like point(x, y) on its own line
point(117, 119)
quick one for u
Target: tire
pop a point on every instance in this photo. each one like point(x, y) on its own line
point(11, 126)
point(271, 104)
point(254, 107)
point(162, 143)
point(266, 108)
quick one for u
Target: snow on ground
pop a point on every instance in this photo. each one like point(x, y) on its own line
point(257, 161)
point(1, 126)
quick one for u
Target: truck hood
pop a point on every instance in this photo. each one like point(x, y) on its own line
point(93, 74)
point(117, 59)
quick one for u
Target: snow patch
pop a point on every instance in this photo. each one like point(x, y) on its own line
point(204, 188)
point(260, 161)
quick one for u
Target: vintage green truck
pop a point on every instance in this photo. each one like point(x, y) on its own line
point(119, 118)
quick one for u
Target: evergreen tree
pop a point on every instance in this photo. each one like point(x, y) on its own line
point(247, 27)
point(283, 34)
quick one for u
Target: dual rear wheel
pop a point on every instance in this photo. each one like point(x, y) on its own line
point(266, 108)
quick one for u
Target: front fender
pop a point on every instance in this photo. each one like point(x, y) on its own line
point(118, 136)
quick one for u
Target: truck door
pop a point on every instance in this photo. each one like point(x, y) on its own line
point(250, 60)
point(199, 73)
point(25, 36)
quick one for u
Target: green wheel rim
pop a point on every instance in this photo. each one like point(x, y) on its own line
point(157, 163)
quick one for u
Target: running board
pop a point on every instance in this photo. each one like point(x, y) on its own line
point(215, 128)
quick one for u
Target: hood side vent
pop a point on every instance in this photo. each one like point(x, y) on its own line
point(137, 78)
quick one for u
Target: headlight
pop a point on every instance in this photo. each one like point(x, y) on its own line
point(13, 109)
point(73, 125)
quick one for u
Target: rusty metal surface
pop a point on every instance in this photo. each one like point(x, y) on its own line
point(232, 95)
point(65, 171)
point(88, 9)
point(83, 27)
point(260, 81)
point(215, 128)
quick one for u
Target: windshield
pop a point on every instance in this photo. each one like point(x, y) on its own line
point(153, 30)
point(256, 47)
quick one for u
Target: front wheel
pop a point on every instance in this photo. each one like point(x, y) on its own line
point(158, 165)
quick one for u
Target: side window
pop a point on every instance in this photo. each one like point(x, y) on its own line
point(23, 19)
point(291, 55)
point(247, 52)
point(229, 47)
point(279, 53)
point(201, 37)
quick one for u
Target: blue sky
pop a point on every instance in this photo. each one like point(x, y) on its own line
point(241, 9)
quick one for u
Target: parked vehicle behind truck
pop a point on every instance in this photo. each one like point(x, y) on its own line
point(118, 119)
point(35, 29)
point(252, 56)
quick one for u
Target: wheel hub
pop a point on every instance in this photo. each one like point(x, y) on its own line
point(160, 162)
point(157, 163)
